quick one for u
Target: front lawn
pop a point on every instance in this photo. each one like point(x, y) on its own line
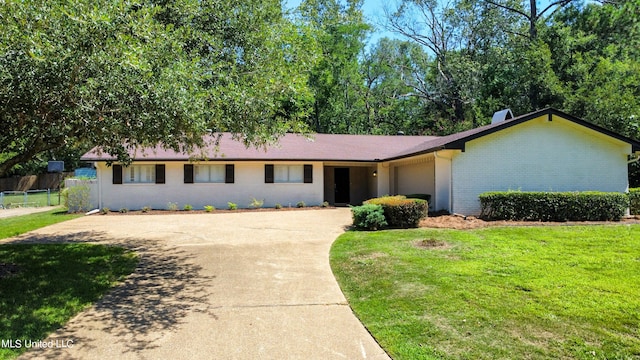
point(43, 285)
point(510, 293)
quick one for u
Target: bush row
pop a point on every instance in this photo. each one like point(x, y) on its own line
point(397, 211)
point(553, 206)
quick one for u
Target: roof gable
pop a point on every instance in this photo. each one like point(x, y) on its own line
point(458, 141)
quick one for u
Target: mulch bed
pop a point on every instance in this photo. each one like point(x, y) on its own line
point(217, 211)
point(470, 222)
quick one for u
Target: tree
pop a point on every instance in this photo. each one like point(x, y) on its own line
point(117, 74)
point(598, 60)
point(391, 104)
point(530, 13)
point(454, 36)
point(481, 60)
point(335, 80)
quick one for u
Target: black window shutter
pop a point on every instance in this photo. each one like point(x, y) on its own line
point(117, 174)
point(308, 174)
point(229, 174)
point(188, 173)
point(268, 174)
point(160, 172)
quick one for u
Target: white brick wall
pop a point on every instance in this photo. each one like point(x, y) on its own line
point(249, 183)
point(538, 155)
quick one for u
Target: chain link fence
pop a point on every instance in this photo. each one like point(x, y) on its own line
point(30, 198)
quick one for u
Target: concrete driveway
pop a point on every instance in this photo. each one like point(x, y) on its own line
point(251, 285)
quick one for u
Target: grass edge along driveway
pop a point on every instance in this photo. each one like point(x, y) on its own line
point(42, 286)
point(509, 292)
point(16, 225)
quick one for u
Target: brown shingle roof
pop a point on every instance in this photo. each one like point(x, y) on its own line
point(364, 148)
point(321, 147)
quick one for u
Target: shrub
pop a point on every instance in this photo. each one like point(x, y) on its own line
point(256, 204)
point(301, 204)
point(172, 206)
point(105, 210)
point(232, 206)
point(368, 217)
point(401, 212)
point(634, 201)
point(187, 207)
point(77, 198)
point(325, 204)
point(278, 206)
point(123, 210)
point(553, 206)
point(146, 209)
point(209, 208)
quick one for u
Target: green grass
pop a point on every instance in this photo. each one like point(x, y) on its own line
point(34, 199)
point(53, 283)
point(43, 285)
point(17, 225)
point(498, 293)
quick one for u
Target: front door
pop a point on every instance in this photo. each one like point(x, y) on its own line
point(342, 185)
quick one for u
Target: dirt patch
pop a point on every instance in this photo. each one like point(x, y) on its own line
point(470, 222)
point(372, 256)
point(432, 244)
point(369, 259)
point(8, 270)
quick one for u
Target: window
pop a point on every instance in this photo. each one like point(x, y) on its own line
point(288, 173)
point(209, 174)
point(143, 174)
point(140, 174)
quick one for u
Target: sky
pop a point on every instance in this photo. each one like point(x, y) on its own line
point(373, 11)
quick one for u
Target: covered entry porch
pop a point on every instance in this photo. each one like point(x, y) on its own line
point(353, 183)
point(350, 183)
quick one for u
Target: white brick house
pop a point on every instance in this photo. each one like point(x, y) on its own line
point(543, 151)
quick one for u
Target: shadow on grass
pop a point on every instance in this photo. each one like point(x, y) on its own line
point(165, 287)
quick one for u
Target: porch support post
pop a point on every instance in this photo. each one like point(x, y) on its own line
point(443, 181)
point(383, 173)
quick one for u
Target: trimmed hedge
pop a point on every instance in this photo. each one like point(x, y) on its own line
point(634, 201)
point(368, 217)
point(554, 206)
point(426, 197)
point(400, 212)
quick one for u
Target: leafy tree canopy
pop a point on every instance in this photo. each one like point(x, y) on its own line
point(118, 74)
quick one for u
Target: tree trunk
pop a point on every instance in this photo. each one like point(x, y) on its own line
point(533, 30)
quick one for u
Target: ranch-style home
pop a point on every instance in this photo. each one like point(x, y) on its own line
point(546, 150)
